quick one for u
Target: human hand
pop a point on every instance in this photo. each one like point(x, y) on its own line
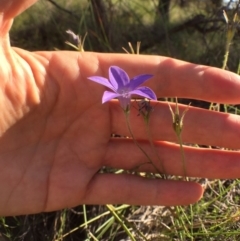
point(55, 133)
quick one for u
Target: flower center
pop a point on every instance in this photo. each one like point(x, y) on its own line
point(125, 93)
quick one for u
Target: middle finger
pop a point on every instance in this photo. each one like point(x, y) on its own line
point(200, 126)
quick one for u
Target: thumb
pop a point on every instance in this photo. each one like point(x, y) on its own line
point(9, 9)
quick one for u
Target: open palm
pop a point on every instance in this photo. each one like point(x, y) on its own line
point(56, 134)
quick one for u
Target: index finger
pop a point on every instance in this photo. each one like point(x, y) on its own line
point(172, 77)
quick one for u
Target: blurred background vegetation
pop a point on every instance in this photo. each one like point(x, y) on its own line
point(191, 30)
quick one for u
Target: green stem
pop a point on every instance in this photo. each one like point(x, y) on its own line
point(85, 216)
point(238, 69)
point(183, 156)
point(154, 148)
point(112, 210)
point(225, 60)
point(135, 141)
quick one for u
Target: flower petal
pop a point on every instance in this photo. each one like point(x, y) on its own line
point(138, 80)
point(109, 95)
point(118, 77)
point(144, 92)
point(102, 81)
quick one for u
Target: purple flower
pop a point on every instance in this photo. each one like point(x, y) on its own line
point(122, 87)
point(74, 36)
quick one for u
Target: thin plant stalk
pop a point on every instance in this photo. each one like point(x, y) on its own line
point(184, 223)
point(85, 216)
point(182, 154)
point(112, 211)
point(104, 228)
point(238, 69)
point(124, 206)
point(132, 49)
point(231, 30)
point(145, 110)
point(154, 149)
point(177, 127)
point(127, 112)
